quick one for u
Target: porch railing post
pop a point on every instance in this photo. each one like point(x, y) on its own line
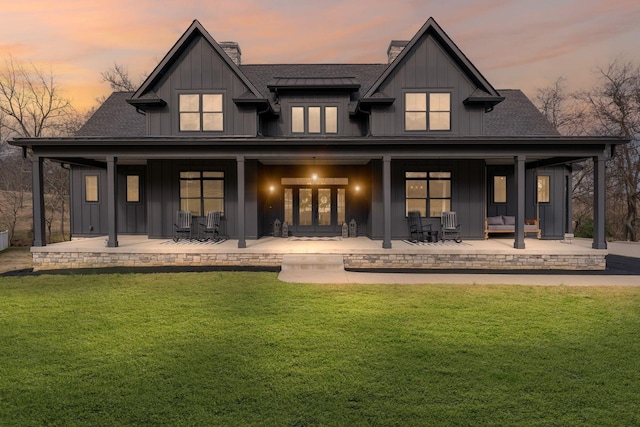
point(599, 240)
point(386, 196)
point(112, 201)
point(242, 242)
point(520, 185)
point(38, 202)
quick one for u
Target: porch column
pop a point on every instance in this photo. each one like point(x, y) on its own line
point(242, 243)
point(520, 185)
point(39, 238)
point(386, 201)
point(112, 201)
point(599, 240)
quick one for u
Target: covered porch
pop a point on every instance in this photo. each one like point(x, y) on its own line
point(358, 253)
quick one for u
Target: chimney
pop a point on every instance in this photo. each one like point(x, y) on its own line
point(395, 47)
point(233, 50)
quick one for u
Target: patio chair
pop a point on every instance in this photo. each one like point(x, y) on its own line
point(211, 229)
point(417, 230)
point(182, 226)
point(450, 227)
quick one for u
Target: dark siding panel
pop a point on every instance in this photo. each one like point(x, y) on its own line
point(427, 66)
point(467, 195)
point(200, 68)
point(281, 125)
point(132, 217)
point(552, 215)
point(88, 218)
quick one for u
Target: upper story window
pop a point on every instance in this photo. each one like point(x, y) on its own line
point(201, 112)
point(427, 111)
point(314, 120)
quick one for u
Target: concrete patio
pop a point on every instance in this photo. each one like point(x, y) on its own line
point(358, 253)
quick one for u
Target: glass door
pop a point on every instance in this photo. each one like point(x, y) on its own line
point(315, 211)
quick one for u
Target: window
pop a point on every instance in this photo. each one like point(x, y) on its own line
point(297, 119)
point(439, 111)
point(439, 193)
point(91, 189)
point(201, 192)
point(314, 119)
point(331, 119)
point(428, 192)
point(133, 188)
point(417, 111)
point(415, 107)
point(194, 118)
point(499, 189)
point(544, 189)
point(318, 120)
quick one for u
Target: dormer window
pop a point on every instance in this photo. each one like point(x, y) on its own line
point(201, 112)
point(427, 111)
point(314, 120)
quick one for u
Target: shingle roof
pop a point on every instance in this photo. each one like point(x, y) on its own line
point(115, 117)
point(517, 116)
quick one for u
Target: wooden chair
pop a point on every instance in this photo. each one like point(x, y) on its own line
point(450, 227)
point(182, 226)
point(212, 226)
point(417, 230)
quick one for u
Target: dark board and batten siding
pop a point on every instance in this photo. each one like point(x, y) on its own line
point(553, 216)
point(467, 196)
point(428, 67)
point(88, 218)
point(164, 194)
point(201, 68)
point(347, 126)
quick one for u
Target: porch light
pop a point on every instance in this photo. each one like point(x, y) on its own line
point(272, 188)
point(357, 188)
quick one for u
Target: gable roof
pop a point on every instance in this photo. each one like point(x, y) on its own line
point(145, 96)
point(431, 27)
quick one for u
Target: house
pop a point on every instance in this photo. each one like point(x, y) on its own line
point(316, 146)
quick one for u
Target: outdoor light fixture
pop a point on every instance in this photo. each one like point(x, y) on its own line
point(272, 188)
point(314, 175)
point(357, 188)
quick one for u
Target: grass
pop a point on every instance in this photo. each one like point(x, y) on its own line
point(245, 349)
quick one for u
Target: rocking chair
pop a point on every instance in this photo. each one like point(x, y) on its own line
point(212, 226)
point(450, 227)
point(417, 230)
point(182, 226)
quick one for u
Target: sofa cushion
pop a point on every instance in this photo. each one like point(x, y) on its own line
point(509, 220)
point(495, 220)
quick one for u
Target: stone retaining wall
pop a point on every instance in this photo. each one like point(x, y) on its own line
point(478, 261)
point(64, 260)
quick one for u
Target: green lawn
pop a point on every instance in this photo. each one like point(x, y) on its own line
point(245, 349)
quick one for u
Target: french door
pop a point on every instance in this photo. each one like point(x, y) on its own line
point(315, 211)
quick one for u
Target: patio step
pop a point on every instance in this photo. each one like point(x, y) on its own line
point(312, 262)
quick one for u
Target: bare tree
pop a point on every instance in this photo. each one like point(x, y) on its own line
point(615, 110)
point(564, 110)
point(31, 105)
point(31, 101)
point(119, 80)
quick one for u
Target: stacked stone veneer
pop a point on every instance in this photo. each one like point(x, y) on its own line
point(479, 261)
point(74, 260)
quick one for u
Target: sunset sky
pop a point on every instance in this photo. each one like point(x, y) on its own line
point(514, 43)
